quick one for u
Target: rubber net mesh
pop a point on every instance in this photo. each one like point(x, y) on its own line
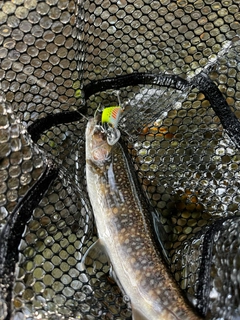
point(186, 163)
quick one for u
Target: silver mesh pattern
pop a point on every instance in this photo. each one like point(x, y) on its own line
point(186, 162)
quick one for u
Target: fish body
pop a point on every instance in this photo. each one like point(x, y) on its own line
point(124, 230)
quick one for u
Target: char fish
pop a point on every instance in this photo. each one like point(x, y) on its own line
point(124, 230)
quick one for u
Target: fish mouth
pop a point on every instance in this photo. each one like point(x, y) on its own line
point(99, 148)
point(101, 153)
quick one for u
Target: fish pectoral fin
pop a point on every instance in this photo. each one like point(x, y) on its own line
point(96, 256)
point(138, 315)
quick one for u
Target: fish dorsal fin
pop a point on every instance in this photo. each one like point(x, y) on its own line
point(161, 236)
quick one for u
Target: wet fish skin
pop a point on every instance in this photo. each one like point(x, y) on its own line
point(124, 230)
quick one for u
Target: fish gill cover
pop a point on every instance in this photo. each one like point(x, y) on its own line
point(53, 58)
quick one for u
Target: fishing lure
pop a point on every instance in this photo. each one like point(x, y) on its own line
point(110, 118)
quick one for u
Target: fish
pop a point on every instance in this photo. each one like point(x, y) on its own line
point(125, 232)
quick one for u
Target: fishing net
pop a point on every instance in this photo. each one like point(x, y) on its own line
point(175, 66)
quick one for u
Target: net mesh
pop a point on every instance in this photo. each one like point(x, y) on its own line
point(186, 163)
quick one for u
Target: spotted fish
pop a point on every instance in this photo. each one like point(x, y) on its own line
point(124, 231)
